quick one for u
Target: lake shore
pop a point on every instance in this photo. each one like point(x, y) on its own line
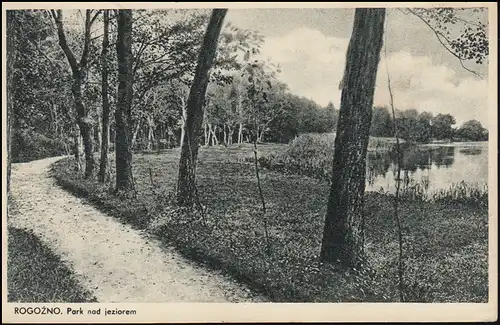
point(454, 144)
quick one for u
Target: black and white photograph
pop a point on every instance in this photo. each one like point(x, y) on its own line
point(251, 154)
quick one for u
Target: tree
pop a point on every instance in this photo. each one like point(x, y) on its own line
point(43, 117)
point(407, 121)
point(424, 127)
point(104, 161)
point(442, 126)
point(123, 147)
point(186, 186)
point(331, 117)
point(381, 122)
point(342, 235)
point(165, 48)
point(472, 131)
point(79, 70)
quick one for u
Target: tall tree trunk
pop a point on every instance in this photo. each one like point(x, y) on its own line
point(224, 134)
point(240, 117)
point(104, 160)
point(342, 237)
point(211, 134)
point(207, 135)
point(151, 135)
point(215, 140)
point(123, 118)
point(230, 135)
point(136, 132)
point(240, 133)
point(79, 70)
point(99, 133)
point(261, 134)
point(84, 123)
point(189, 150)
point(77, 145)
point(183, 120)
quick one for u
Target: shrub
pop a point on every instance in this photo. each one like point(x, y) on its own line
point(312, 155)
point(29, 145)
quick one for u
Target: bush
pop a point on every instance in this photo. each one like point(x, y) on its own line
point(29, 145)
point(312, 155)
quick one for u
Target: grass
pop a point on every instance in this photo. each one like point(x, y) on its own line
point(36, 274)
point(445, 243)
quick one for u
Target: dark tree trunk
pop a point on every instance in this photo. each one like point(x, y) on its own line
point(183, 119)
point(189, 150)
point(76, 149)
point(104, 162)
point(84, 123)
point(123, 118)
point(79, 70)
point(342, 236)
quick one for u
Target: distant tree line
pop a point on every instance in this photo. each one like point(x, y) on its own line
point(425, 127)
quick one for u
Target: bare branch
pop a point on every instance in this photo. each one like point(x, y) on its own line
point(398, 177)
point(95, 17)
point(440, 38)
point(58, 16)
point(86, 44)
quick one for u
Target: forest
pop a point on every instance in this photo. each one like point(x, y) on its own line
point(167, 119)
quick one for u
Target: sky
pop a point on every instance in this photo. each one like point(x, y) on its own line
point(311, 44)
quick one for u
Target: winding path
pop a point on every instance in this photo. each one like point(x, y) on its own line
point(113, 261)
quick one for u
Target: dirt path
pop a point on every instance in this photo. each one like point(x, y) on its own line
point(112, 260)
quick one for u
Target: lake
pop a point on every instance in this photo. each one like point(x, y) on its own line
point(435, 166)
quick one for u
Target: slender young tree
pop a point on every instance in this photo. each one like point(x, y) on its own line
point(123, 118)
point(104, 161)
point(342, 236)
point(186, 186)
point(79, 70)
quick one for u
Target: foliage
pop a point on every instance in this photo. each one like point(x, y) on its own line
point(41, 97)
point(446, 242)
point(312, 154)
point(442, 126)
point(460, 31)
point(28, 145)
point(471, 131)
point(381, 125)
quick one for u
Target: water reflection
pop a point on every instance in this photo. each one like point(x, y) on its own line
point(433, 167)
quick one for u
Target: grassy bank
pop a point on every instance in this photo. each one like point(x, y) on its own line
point(36, 274)
point(445, 243)
point(312, 155)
